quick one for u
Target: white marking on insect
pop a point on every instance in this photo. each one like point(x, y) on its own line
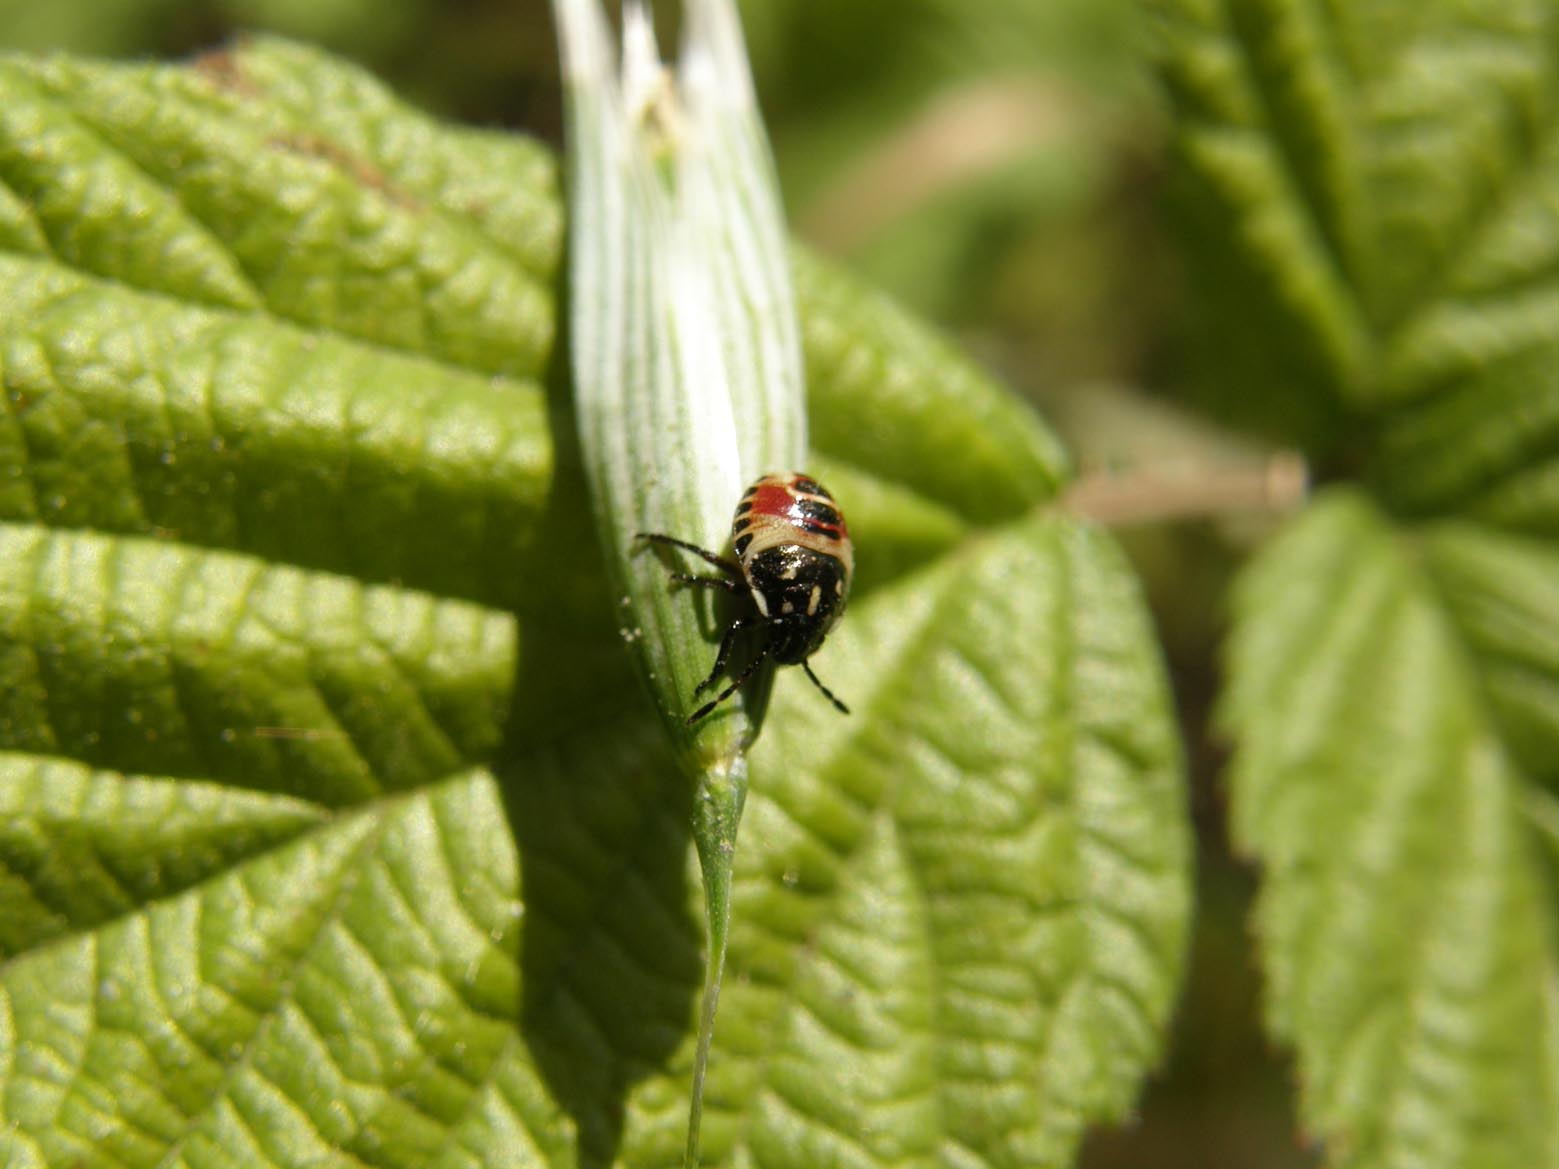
point(817, 595)
point(762, 602)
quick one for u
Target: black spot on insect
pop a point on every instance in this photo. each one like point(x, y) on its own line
point(814, 509)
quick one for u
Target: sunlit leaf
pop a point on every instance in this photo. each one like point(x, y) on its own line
point(334, 828)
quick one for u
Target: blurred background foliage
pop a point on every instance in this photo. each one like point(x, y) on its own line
point(999, 166)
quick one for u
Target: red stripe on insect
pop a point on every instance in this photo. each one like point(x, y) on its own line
point(833, 531)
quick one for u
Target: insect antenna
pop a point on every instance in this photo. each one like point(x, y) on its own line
point(827, 693)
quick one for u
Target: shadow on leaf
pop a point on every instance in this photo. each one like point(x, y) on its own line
point(610, 954)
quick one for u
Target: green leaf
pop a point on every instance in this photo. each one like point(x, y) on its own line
point(1503, 593)
point(961, 917)
point(334, 828)
point(1369, 191)
point(1406, 918)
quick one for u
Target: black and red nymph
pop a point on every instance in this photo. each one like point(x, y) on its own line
point(793, 562)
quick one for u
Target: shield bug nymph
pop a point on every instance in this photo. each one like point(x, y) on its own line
point(793, 560)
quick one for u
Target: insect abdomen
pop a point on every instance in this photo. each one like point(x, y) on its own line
point(791, 509)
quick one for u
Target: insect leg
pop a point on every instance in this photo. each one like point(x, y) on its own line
point(719, 562)
point(752, 668)
point(713, 582)
point(827, 693)
point(724, 653)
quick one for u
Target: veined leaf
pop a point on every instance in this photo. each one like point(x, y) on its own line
point(333, 827)
point(1406, 919)
point(977, 872)
point(1503, 593)
point(1370, 191)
